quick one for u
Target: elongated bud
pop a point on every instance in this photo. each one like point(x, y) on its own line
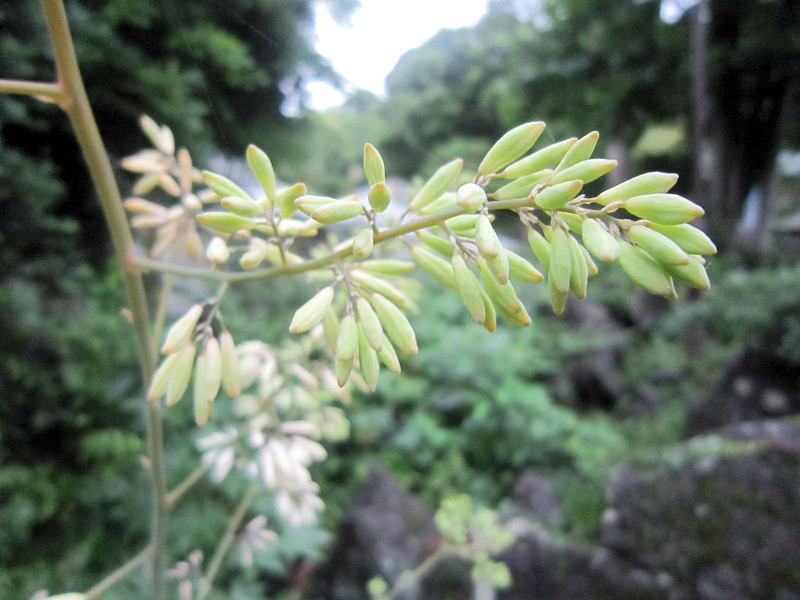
point(166, 141)
point(599, 241)
point(207, 379)
point(689, 238)
point(213, 379)
point(261, 166)
point(469, 288)
point(444, 202)
point(436, 242)
point(522, 187)
point(373, 165)
point(586, 170)
point(331, 328)
point(255, 255)
point(500, 266)
point(225, 222)
point(297, 228)
point(556, 196)
point(381, 286)
point(144, 207)
point(692, 274)
point(540, 247)
point(308, 203)
point(347, 342)
point(342, 369)
point(559, 272)
point(438, 184)
point(579, 151)
point(645, 271)
point(471, 197)
point(486, 237)
point(312, 311)
point(579, 269)
point(387, 267)
point(490, 320)
point(521, 270)
point(341, 210)
point(511, 146)
point(362, 243)
point(573, 221)
point(666, 209)
point(150, 128)
point(388, 356)
point(370, 323)
point(231, 379)
point(162, 377)
point(646, 183)
point(217, 251)
point(501, 294)
point(287, 196)
point(589, 262)
point(368, 361)
point(657, 245)
point(395, 324)
point(222, 186)
point(244, 207)
point(379, 196)
point(182, 330)
point(463, 224)
point(439, 268)
point(545, 158)
point(182, 373)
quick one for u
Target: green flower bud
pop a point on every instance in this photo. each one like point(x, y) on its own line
point(217, 251)
point(556, 196)
point(586, 170)
point(439, 268)
point(666, 209)
point(387, 267)
point(657, 245)
point(373, 165)
point(347, 342)
point(231, 379)
point(163, 375)
point(511, 146)
point(182, 330)
point(379, 196)
point(181, 373)
point(438, 184)
point(546, 158)
point(204, 377)
point(261, 167)
point(362, 244)
point(381, 286)
point(471, 197)
point(225, 222)
point(244, 207)
point(486, 238)
point(579, 151)
point(308, 203)
point(368, 361)
point(341, 210)
point(599, 241)
point(500, 267)
point(645, 271)
point(370, 323)
point(312, 311)
point(255, 255)
point(342, 369)
point(490, 320)
point(288, 196)
point(395, 324)
point(579, 269)
point(463, 224)
point(573, 221)
point(689, 238)
point(468, 288)
point(298, 228)
point(559, 272)
point(436, 242)
point(520, 318)
point(222, 186)
point(444, 202)
point(522, 187)
point(330, 328)
point(589, 262)
point(647, 183)
point(388, 356)
point(540, 247)
point(692, 274)
point(521, 270)
point(500, 294)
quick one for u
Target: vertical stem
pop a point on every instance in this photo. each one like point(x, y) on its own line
point(76, 104)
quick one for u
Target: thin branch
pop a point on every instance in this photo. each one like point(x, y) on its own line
point(48, 91)
point(187, 484)
point(118, 574)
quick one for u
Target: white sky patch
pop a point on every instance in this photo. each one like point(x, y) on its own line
point(381, 31)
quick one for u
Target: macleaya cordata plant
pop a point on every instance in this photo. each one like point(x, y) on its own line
point(358, 317)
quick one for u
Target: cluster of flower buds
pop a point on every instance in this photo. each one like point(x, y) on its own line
point(193, 347)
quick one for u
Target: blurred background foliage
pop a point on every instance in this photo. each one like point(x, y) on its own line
point(712, 96)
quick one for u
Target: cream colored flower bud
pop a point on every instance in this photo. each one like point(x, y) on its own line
point(522, 187)
point(545, 158)
point(145, 184)
point(144, 207)
point(217, 251)
point(486, 237)
point(395, 324)
point(146, 221)
point(312, 311)
point(388, 356)
point(368, 361)
point(182, 330)
point(162, 377)
point(599, 241)
point(689, 238)
point(463, 224)
point(386, 267)
point(586, 170)
point(500, 294)
point(511, 146)
point(225, 222)
point(579, 268)
point(347, 342)
point(446, 201)
point(331, 328)
point(222, 186)
point(500, 267)
point(166, 141)
point(207, 380)
point(191, 202)
point(169, 185)
point(657, 245)
point(471, 197)
point(261, 166)
point(362, 244)
point(342, 368)
point(181, 374)
point(150, 128)
point(244, 207)
point(287, 196)
point(540, 247)
point(521, 270)
point(436, 242)
point(469, 288)
point(439, 268)
point(370, 323)
point(646, 183)
point(579, 151)
point(308, 203)
point(379, 196)
point(255, 255)
point(231, 379)
point(666, 209)
point(442, 180)
point(645, 271)
point(556, 196)
point(373, 165)
point(692, 274)
point(340, 210)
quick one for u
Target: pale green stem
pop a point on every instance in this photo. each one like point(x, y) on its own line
point(118, 574)
point(187, 484)
point(41, 90)
point(75, 103)
point(161, 310)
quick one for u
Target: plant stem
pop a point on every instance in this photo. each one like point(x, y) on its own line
point(49, 91)
point(187, 484)
point(118, 574)
point(75, 103)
